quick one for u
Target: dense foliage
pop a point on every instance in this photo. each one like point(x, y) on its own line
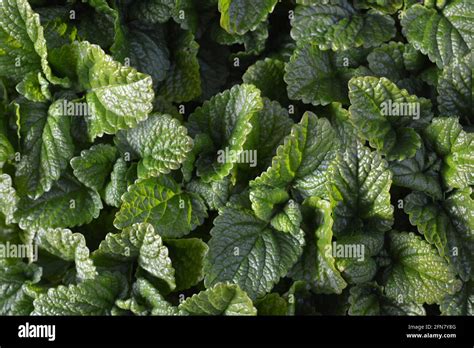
point(237, 157)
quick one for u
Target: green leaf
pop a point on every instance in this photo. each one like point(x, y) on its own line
point(47, 147)
point(317, 264)
point(418, 273)
point(215, 193)
point(121, 177)
point(246, 251)
point(385, 6)
point(461, 303)
point(367, 299)
point(8, 198)
point(301, 162)
point(272, 304)
point(456, 148)
point(187, 256)
point(420, 173)
point(318, 77)
point(146, 299)
point(448, 224)
point(22, 43)
point(335, 25)
point(152, 11)
point(67, 204)
point(442, 35)
point(90, 297)
point(221, 299)
point(241, 16)
point(15, 275)
point(34, 87)
point(138, 242)
point(67, 246)
point(340, 122)
point(386, 115)
point(93, 166)
point(161, 142)
point(267, 76)
point(118, 96)
point(183, 81)
point(6, 149)
point(225, 121)
point(162, 203)
point(359, 184)
point(455, 92)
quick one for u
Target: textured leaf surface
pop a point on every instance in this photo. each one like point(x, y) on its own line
point(67, 246)
point(456, 147)
point(138, 242)
point(385, 115)
point(419, 274)
point(240, 16)
point(91, 297)
point(93, 166)
point(442, 35)
point(225, 119)
point(359, 184)
point(245, 251)
point(162, 203)
point(221, 299)
point(461, 303)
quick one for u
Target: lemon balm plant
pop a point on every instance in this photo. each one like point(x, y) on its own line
point(346, 184)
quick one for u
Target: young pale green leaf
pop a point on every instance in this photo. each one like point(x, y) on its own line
point(162, 203)
point(118, 97)
point(359, 188)
point(420, 173)
point(461, 303)
point(448, 224)
point(418, 273)
point(138, 242)
point(93, 166)
point(15, 275)
point(34, 87)
point(225, 120)
point(318, 77)
point(317, 264)
point(146, 299)
point(386, 115)
point(335, 25)
point(183, 81)
point(90, 297)
point(187, 256)
point(22, 43)
point(442, 35)
point(67, 246)
point(161, 142)
point(241, 16)
point(8, 198)
point(47, 147)
point(367, 299)
point(301, 162)
point(455, 92)
point(67, 204)
point(246, 251)
point(456, 148)
point(221, 299)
